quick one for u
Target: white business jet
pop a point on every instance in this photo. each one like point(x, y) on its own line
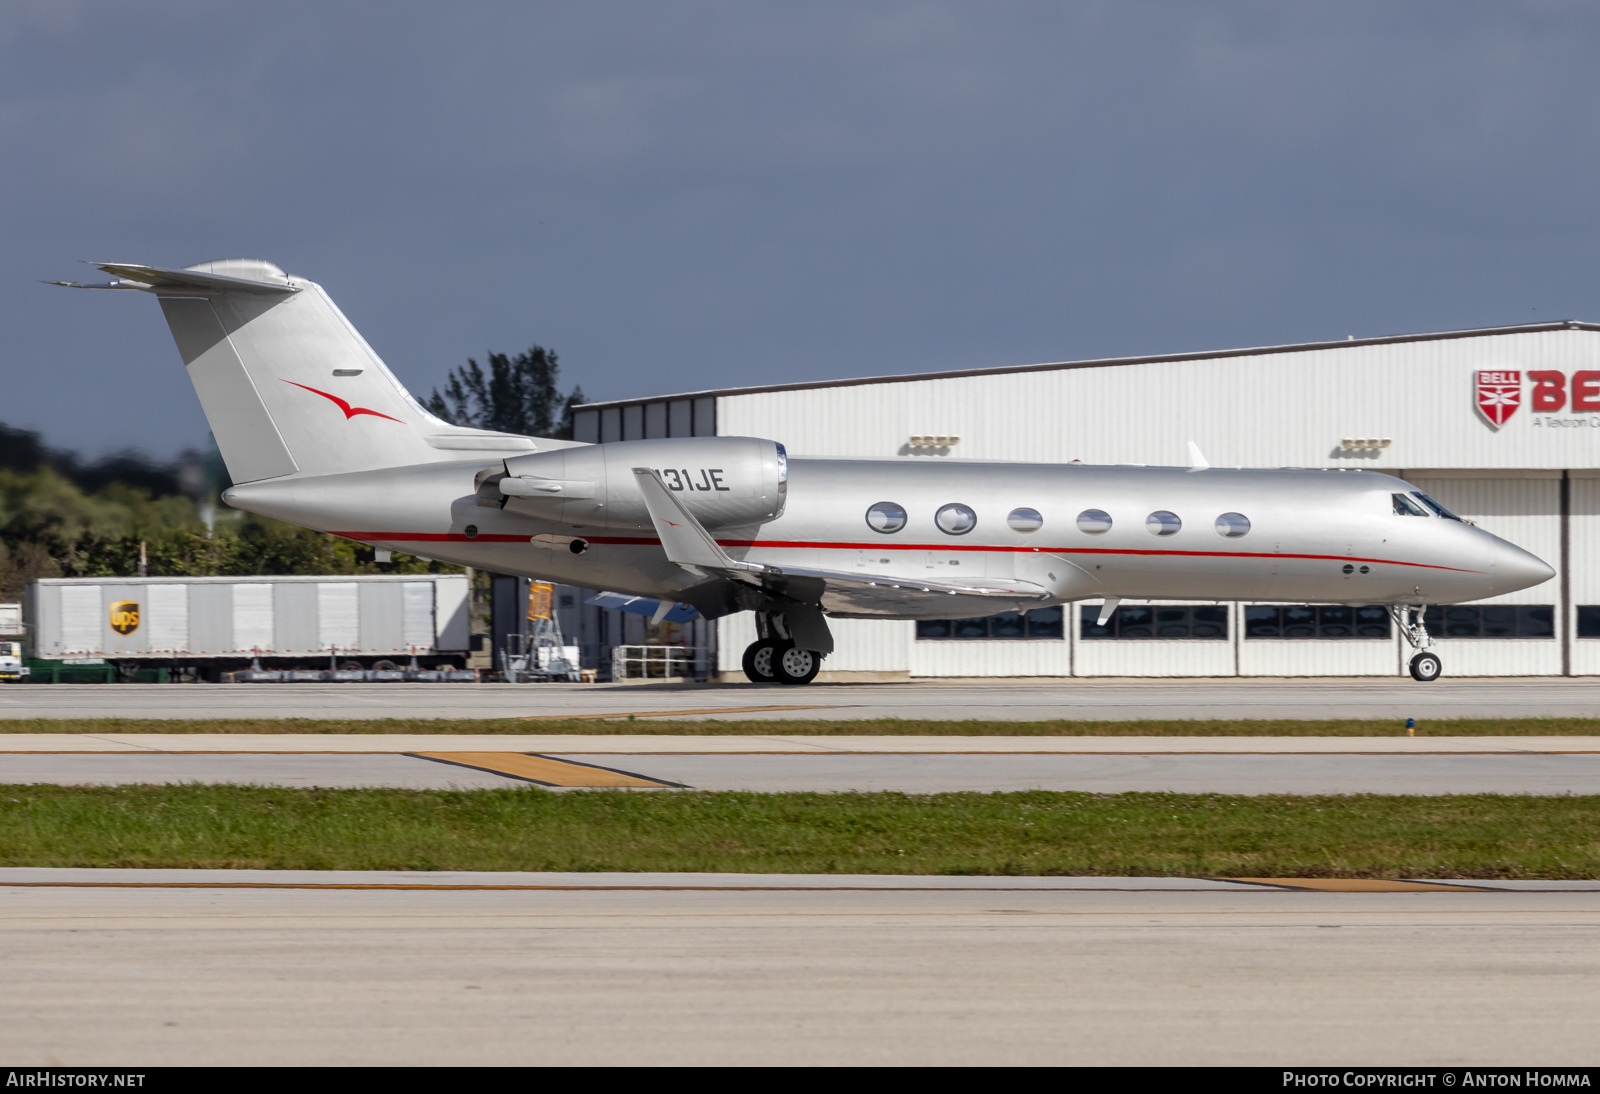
point(315, 430)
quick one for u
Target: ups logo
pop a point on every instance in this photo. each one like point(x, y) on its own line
point(125, 616)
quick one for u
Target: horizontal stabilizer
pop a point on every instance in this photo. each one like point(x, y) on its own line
point(158, 279)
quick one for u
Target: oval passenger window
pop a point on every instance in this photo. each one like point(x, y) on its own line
point(1025, 520)
point(1094, 521)
point(1163, 523)
point(956, 519)
point(1233, 525)
point(886, 517)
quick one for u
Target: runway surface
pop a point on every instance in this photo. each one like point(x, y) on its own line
point(942, 700)
point(781, 969)
point(1262, 773)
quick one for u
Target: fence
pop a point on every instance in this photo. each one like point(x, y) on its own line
point(656, 663)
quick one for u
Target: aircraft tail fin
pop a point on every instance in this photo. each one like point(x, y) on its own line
point(287, 383)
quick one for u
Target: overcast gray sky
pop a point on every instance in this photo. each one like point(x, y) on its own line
point(688, 195)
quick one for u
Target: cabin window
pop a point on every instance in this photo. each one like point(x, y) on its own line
point(1025, 520)
point(1035, 624)
point(886, 517)
point(1405, 507)
point(1163, 523)
point(1094, 521)
point(1435, 506)
point(1158, 621)
point(1491, 621)
point(1233, 525)
point(955, 519)
point(1315, 621)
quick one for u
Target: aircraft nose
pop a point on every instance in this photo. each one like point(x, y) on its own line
point(1516, 569)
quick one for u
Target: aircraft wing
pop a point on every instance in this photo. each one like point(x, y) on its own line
point(688, 544)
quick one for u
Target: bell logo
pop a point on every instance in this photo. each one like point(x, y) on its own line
point(125, 616)
point(1498, 394)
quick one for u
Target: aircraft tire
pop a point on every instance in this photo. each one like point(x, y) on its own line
point(758, 658)
point(1426, 667)
point(792, 665)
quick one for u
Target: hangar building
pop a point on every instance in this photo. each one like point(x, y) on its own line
point(1502, 425)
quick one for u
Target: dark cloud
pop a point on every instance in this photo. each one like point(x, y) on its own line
point(691, 195)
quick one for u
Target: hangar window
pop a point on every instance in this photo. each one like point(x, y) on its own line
point(1589, 620)
point(1038, 623)
point(1025, 520)
point(886, 517)
point(1163, 523)
point(1094, 521)
point(1435, 506)
point(1491, 621)
point(955, 519)
point(1315, 621)
point(1233, 525)
point(1161, 621)
point(1405, 507)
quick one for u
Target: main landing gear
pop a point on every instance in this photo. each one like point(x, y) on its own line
point(775, 659)
point(1425, 666)
point(779, 661)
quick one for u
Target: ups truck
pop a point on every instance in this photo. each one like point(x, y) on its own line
point(382, 627)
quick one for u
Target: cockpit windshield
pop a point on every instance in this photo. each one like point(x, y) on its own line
point(1435, 506)
point(1405, 507)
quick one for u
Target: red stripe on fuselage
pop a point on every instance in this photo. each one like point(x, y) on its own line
point(651, 541)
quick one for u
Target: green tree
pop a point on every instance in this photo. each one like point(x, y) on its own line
point(60, 517)
point(517, 395)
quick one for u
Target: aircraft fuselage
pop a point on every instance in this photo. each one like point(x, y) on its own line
point(1313, 536)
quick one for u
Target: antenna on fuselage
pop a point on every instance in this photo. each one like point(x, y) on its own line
point(1197, 459)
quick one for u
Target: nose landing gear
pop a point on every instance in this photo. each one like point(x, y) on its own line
point(1425, 667)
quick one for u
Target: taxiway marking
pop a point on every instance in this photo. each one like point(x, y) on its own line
point(543, 770)
point(1362, 885)
point(1262, 885)
point(667, 713)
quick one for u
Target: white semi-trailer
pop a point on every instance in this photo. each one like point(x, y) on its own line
point(205, 626)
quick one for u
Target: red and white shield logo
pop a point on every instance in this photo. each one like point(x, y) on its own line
point(1498, 394)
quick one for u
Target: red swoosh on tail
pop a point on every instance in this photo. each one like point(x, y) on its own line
point(349, 411)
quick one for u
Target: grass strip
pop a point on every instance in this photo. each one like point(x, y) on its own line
point(811, 727)
point(1028, 833)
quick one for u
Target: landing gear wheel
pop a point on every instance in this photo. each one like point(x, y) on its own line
point(758, 658)
point(792, 665)
point(1426, 667)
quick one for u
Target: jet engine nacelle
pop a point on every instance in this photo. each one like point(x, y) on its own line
point(725, 482)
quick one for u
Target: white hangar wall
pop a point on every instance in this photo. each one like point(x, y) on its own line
point(1411, 403)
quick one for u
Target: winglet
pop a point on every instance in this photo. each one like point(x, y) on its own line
point(1107, 606)
point(1197, 461)
point(684, 539)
